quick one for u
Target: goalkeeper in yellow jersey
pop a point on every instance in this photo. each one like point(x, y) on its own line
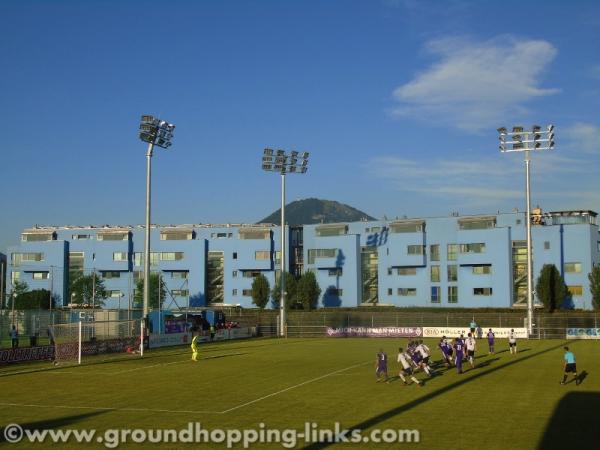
point(195, 347)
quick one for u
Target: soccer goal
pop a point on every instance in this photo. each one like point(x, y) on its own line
point(73, 342)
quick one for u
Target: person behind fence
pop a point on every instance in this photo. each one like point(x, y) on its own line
point(195, 347)
point(473, 326)
point(569, 366)
point(14, 337)
point(479, 332)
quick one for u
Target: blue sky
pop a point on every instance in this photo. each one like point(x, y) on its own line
point(397, 101)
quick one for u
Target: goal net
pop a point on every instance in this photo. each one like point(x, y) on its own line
point(73, 342)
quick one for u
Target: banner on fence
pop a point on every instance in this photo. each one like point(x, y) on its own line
point(40, 353)
point(167, 340)
point(583, 333)
point(499, 333)
point(171, 339)
point(374, 332)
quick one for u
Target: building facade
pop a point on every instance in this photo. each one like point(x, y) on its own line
point(457, 261)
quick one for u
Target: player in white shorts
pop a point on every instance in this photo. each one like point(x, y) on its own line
point(512, 341)
point(471, 347)
point(406, 369)
point(425, 353)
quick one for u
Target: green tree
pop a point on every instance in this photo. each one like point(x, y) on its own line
point(153, 302)
point(594, 277)
point(260, 291)
point(308, 291)
point(88, 290)
point(36, 299)
point(19, 288)
point(290, 288)
point(550, 287)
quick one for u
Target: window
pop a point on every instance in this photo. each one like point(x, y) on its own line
point(171, 256)
point(573, 267)
point(180, 235)
point(250, 273)
point(452, 272)
point(576, 291)
point(482, 270)
point(119, 256)
point(121, 236)
point(435, 294)
point(247, 292)
point(234, 255)
point(337, 272)
point(36, 237)
point(234, 274)
point(315, 253)
point(234, 292)
point(407, 270)
point(452, 252)
point(407, 227)
point(115, 294)
point(181, 274)
point(254, 233)
point(482, 291)
point(15, 276)
point(407, 292)
point(331, 230)
point(390, 270)
point(179, 292)
point(110, 274)
point(82, 237)
point(435, 274)
point(477, 223)
point(390, 291)
point(262, 255)
point(220, 235)
point(434, 252)
point(546, 245)
point(39, 275)
point(452, 294)
point(17, 258)
point(472, 248)
point(416, 249)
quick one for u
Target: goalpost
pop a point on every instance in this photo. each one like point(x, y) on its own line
point(75, 341)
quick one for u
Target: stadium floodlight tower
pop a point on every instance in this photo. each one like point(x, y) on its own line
point(521, 140)
point(155, 132)
point(279, 161)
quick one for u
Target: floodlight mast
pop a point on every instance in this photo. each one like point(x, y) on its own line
point(155, 132)
point(526, 141)
point(279, 161)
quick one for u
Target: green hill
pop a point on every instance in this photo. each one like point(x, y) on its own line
point(313, 210)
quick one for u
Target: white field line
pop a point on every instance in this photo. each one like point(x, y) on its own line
point(100, 408)
point(292, 387)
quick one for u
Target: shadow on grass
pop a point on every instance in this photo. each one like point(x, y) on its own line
point(573, 423)
point(582, 376)
point(54, 423)
point(373, 421)
point(222, 356)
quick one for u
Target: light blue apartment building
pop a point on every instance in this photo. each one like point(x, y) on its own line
point(456, 261)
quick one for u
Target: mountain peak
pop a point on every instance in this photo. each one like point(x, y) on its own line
point(314, 210)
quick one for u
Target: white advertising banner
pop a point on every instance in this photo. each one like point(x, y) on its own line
point(583, 333)
point(167, 340)
point(452, 332)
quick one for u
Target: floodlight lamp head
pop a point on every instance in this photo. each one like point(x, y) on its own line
point(502, 130)
point(280, 153)
point(147, 118)
point(292, 169)
point(294, 153)
point(517, 129)
point(268, 151)
point(305, 155)
point(550, 128)
point(536, 128)
point(267, 167)
point(303, 170)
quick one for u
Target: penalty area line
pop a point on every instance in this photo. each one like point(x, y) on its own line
point(292, 387)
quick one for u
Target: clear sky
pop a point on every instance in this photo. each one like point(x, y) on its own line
point(397, 101)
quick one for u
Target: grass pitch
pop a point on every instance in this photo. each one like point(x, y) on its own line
point(507, 402)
